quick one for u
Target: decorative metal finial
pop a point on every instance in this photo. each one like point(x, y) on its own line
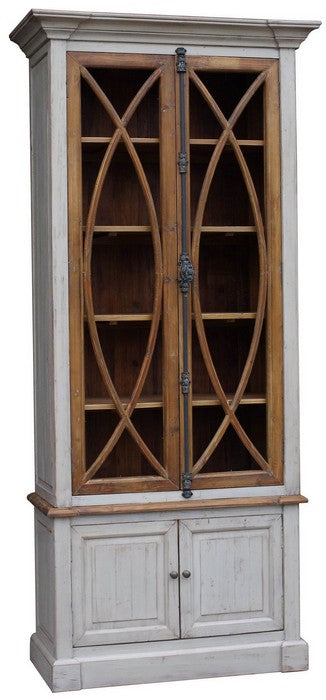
point(186, 485)
point(181, 59)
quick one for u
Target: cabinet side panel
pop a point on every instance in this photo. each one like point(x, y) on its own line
point(42, 279)
point(59, 238)
point(290, 270)
point(44, 565)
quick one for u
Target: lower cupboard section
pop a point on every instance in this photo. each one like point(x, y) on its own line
point(226, 579)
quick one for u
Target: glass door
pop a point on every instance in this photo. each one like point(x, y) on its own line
point(123, 242)
point(236, 329)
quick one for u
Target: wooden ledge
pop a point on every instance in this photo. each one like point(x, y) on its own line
point(121, 508)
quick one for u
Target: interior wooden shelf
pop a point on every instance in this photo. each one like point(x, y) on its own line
point(228, 316)
point(209, 316)
point(107, 139)
point(212, 400)
point(105, 404)
point(228, 229)
point(148, 229)
point(120, 229)
point(193, 142)
point(99, 404)
point(116, 318)
point(213, 142)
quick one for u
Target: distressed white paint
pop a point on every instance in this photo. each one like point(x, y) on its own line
point(40, 25)
point(290, 269)
point(59, 675)
point(236, 575)
point(45, 580)
point(176, 515)
point(59, 235)
point(50, 274)
point(169, 48)
point(62, 588)
point(42, 278)
point(122, 589)
point(166, 496)
point(169, 660)
point(53, 584)
point(295, 656)
point(291, 567)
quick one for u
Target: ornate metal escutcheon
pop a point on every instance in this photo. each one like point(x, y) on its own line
point(186, 485)
point(187, 272)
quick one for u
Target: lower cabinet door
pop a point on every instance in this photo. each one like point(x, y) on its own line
point(122, 588)
point(235, 581)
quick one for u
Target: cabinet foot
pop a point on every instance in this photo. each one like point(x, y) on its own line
point(295, 656)
point(60, 675)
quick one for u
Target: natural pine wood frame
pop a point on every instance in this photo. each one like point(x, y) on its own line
point(170, 213)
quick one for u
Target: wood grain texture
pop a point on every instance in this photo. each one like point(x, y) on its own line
point(76, 511)
point(214, 63)
point(76, 304)
point(169, 234)
point(274, 317)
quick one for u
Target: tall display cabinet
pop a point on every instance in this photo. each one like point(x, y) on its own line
point(165, 336)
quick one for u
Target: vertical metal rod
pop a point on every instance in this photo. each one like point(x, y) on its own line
point(186, 273)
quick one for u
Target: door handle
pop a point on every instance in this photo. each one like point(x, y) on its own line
point(186, 573)
point(174, 574)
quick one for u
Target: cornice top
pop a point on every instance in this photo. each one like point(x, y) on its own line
point(39, 26)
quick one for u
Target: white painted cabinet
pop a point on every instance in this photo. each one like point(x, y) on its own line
point(230, 573)
point(167, 486)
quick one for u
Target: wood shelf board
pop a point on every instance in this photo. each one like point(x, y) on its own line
point(116, 318)
point(103, 404)
point(152, 140)
point(94, 404)
point(213, 142)
point(121, 229)
point(228, 229)
point(247, 399)
point(228, 316)
point(108, 139)
point(209, 316)
point(125, 508)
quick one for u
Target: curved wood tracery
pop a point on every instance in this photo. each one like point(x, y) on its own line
point(124, 413)
point(228, 136)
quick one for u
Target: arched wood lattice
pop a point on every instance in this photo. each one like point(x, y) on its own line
point(124, 413)
point(228, 137)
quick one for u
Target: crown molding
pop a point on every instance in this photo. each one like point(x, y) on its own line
point(40, 26)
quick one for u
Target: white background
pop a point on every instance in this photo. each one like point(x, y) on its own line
point(17, 578)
